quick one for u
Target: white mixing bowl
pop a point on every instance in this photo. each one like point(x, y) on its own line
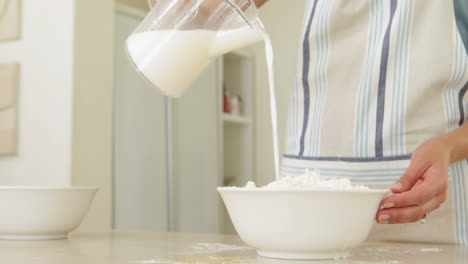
point(302, 224)
point(36, 213)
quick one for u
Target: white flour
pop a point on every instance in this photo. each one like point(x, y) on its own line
point(309, 180)
point(171, 59)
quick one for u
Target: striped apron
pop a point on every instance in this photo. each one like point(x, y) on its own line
point(374, 80)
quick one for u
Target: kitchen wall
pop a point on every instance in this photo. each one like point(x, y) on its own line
point(138, 4)
point(45, 53)
point(284, 28)
point(65, 99)
point(92, 106)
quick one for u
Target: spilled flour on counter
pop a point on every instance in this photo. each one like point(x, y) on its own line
point(218, 247)
point(309, 180)
point(150, 261)
point(200, 259)
point(373, 262)
point(431, 250)
point(207, 253)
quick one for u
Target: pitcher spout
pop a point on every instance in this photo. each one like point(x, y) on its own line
point(232, 39)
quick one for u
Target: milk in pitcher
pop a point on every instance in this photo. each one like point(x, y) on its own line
point(173, 59)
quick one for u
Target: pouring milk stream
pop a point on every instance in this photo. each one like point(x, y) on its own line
point(172, 57)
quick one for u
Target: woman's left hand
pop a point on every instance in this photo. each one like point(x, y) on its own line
point(422, 188)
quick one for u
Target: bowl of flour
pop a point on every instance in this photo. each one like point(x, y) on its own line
point(303, 217)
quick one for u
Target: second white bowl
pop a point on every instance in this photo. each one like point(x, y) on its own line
point(36, 213)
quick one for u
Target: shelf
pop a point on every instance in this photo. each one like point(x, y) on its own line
point(235, 119)
point(237, 70)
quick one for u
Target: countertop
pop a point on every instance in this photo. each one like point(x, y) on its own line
point(163, 248)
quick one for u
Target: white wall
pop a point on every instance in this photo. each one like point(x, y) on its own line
point(45, 53)
point(141, 5)
point(92, 106)
point(283, 21)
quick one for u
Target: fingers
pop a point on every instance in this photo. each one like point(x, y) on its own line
point(426, 195)
point(419, 195)
point(416, 168)
point(411, 213)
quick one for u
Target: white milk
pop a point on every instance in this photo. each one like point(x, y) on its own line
point(173, 59)
point(271, 81)
point(274, 118)
point(229, 40)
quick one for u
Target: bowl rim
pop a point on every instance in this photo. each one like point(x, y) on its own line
point(40, 187)
point(242, 189)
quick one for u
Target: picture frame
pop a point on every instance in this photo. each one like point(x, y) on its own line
point(9, 83)
point(10, 20)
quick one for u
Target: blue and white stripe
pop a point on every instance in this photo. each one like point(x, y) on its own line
point(383, 83)
point(453, 112)
point(457, 80)
point(397, 93)
point(363, 176)
point(297, 104)
point(293, 113)
point(305, 78)
point(319, 78)
point(363, 141)
point(461, 97)
point(461, 220)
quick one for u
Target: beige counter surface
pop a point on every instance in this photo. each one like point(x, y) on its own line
point(179, 248)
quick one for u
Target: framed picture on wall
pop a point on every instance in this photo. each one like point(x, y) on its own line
point(10, 20)
point(9, 79)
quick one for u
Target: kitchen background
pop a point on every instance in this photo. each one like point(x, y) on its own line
point(84, 116)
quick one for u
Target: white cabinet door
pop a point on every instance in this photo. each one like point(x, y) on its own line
point(139, 143)
point(196, 161)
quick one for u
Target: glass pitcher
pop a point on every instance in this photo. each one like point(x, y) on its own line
point(178, 39)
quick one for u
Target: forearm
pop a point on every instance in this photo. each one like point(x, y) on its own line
point(457, 143)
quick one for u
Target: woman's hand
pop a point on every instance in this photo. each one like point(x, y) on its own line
point(422, 188)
